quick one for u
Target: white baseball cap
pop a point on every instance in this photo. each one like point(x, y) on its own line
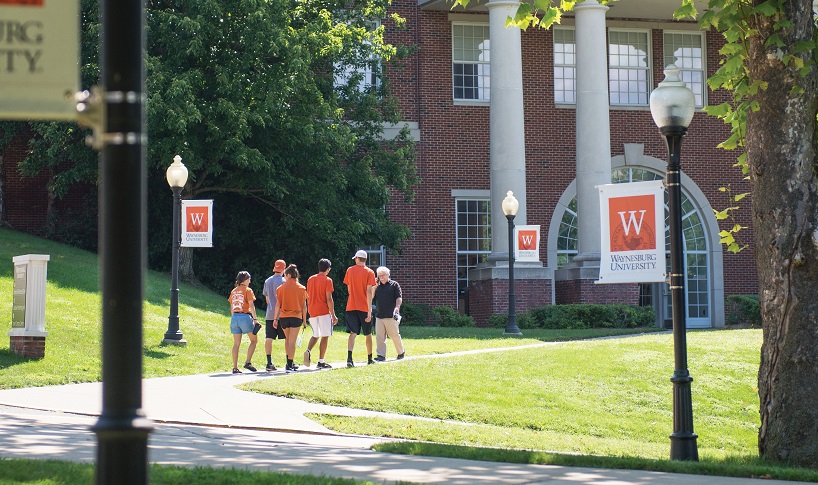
point(360, 254)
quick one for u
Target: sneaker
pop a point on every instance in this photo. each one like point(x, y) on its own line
point(324, 365)
point(350, 363)
point(295, 367)
point(380, 358)
point(371, 361)
point(307, 358)
point(400, 356)
point(249, 367)
point(290, 369)
point(236, 371)
point(270, 368)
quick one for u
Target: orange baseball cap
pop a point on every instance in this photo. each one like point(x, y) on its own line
point(279, 266)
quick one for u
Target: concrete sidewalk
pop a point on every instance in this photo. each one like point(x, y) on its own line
point(203, 420)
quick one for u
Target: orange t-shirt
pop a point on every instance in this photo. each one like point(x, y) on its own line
point(240, 299)
point(317, 288)
point(359, 279)
point(291, 296)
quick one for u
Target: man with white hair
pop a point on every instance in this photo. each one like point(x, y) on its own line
point(388, 299)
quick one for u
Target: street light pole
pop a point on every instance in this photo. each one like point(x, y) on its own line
point(177, 178)
point(122, 429)
point(510, 208)
point(671, 105)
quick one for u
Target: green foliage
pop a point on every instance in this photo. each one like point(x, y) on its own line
point(416, 314)
point(580, 316)
point(743, 309)
point(286, 142)
point(728, 236)
point(446, 316)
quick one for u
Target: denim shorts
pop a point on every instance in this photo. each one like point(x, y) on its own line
point(241, 323)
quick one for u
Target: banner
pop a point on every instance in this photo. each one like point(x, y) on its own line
point(197, 227)
point(633, 232)
point(39, 59)
point(527, 247)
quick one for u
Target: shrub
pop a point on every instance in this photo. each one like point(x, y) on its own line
point(416, 315)
point(588, 316)
point(447, 317)
point(498, 320)
point(743, 309)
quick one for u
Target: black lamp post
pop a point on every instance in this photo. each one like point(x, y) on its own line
point(671, 105)
point(177, 178)
point(510, 207)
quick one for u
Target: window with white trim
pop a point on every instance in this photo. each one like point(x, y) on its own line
point(470, 62)
point(629, 67)
point(473, 238)
point(364, 73)
point(565, 66)
point(375, 256)
point(686, 51)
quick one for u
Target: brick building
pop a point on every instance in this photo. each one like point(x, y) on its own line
point(495, 109)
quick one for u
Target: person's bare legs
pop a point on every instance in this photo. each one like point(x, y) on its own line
point(322, 347)
point(236, 344)
point(268, 346)
point(369, 344)
point(252, 348)
point(291, 334)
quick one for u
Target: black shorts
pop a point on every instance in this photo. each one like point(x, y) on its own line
point(289, 322)
point(273, 332)
point(357, 324)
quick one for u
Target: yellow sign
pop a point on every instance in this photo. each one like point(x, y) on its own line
point(39, 59)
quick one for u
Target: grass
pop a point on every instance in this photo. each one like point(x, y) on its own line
point(53, 472)
point(74, 328)
point(591, 403)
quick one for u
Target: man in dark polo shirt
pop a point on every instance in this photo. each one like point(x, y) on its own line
point(388, 299)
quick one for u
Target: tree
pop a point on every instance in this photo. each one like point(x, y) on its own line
point(769, 65)
point(245, 92)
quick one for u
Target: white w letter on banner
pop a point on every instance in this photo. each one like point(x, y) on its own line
point(196, 218)
point(632, 221)
point(527, 240)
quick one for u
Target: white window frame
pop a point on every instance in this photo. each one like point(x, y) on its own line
point(479, 255)
point(369, 72)
point(481, 88)
point(568, 94)
point(688, 72)
point(647, 84)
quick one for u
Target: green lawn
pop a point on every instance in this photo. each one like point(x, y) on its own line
point(74, 329)
point(607, 397)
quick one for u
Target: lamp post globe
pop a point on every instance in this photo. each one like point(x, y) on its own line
point(510, 208)
point(671, 105)
point(176, 176)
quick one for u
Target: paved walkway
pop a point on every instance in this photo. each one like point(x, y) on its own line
point(203, 420)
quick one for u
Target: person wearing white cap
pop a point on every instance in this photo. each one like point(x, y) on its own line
point(360, 281)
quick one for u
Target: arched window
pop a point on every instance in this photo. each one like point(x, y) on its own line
point(697, 282)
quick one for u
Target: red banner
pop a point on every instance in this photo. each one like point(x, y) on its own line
point(32, 3)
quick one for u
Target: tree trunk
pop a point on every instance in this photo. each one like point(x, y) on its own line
point(780, 143)
point(186, 272)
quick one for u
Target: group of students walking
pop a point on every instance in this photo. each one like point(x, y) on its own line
point(289, 302)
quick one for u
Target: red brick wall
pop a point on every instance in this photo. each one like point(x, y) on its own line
point(454, 154)
point(585, 291)
point(490, 297)
point(32, 347)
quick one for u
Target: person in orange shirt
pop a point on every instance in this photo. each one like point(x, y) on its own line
point(360, 281)
point(290, 312)
point(322, 312)
point(243, 319)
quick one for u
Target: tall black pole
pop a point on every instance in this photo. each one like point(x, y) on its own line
point(511, 327)
point(122, 429)
point(174, 335)
point(683, 439)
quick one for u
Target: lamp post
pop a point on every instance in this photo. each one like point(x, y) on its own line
point(671, 105)
point(510, 207)
point(177, 178)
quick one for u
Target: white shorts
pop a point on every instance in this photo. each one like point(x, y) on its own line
point(321, 326)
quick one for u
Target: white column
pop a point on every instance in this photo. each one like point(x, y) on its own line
point(506, 127)
point(593, 126)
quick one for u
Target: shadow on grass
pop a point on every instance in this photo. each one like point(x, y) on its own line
point(9, 358)
point(745, 466)
point(156, 354)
